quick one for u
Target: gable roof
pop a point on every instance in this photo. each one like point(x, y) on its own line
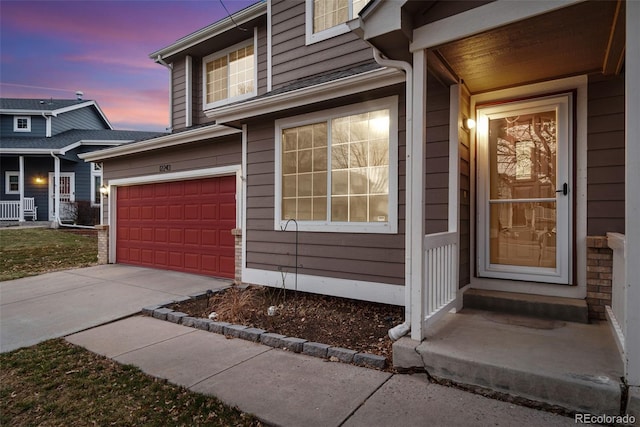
point(217, 28)
point(71, 139)
point(50, 107)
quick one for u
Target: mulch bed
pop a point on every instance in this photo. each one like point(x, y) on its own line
point(339, 322)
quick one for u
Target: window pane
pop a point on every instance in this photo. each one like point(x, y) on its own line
point(360, 166)
point(522, 153)
point(288, 208)
point(304, 209)
point(339, 208)
point(289, 162)
point(231, 75)
point(305, 185)
point(340, 182)
point(320, 184)
point(289, 186)
point(304, 161)
point(358, 209)
point(319, 208)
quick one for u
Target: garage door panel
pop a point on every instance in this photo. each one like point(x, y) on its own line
point(210, 237)
point(210, 264)
point(183, 225)
point(210, 211)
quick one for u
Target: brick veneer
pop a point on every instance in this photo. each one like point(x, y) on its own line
point(599, 276)
point(237, 232)
point(103, 244)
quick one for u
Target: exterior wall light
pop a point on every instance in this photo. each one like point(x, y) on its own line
point(104, 190)
point(468, 123)
point(40, 180)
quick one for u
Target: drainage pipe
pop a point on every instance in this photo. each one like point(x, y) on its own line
point(399, 331)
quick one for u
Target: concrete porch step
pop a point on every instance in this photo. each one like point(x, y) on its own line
point(546, 307)
point(570, 365)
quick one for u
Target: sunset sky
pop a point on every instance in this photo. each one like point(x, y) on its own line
point(51, 49)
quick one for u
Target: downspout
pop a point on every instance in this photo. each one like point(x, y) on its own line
point(169, 67)
point(399, 331)
point(48, 125)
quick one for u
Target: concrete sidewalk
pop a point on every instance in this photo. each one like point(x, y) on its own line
point(290, 389)
point(52, 305)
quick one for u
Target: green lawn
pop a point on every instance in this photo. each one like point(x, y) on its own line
point(58, 384)
point(31, 251)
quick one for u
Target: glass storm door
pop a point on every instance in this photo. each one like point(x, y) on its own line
point(524, 208)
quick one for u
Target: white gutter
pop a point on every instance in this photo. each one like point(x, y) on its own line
point(213, 131)
point(350, 85)
point(48, 125)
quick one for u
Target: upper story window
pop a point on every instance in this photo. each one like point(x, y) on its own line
point(229, 75)
point(327, 18)
point(12, 182)
point(22, 124)
point(336, 170)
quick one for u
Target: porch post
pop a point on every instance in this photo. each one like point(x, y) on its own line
point(632, 193)
point(415, 194)
point(21, 186)
point(56, 190)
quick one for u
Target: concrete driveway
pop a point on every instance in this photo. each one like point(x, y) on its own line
point(34, 309)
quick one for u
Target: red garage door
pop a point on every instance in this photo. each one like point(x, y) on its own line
point(183, 225)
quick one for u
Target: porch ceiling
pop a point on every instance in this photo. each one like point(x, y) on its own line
point(583, 38)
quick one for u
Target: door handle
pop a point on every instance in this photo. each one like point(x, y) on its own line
point(564, 190)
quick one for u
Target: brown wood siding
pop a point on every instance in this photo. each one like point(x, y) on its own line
point(355, 256)
point(465, 191)
point(437, 157)
point(178, 94)
point(210, 153)
point(293, 60)
point(262, 60)
point(605, 156)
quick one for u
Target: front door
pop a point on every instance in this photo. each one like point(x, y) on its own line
point(67, 196)
point(524, 188)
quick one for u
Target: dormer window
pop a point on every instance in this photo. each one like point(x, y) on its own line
point(22, 124)
point(230, 75)
point(327, 18)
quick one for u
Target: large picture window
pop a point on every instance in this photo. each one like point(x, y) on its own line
point(229, 75)
point(338, 169)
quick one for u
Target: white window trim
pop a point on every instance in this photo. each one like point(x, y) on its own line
point(388, 227)
point(253, 41)
point(96, 170)
point(15, 124)
point(7, 186)
point(334, 31)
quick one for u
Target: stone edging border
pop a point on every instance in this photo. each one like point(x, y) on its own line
point(297, 345)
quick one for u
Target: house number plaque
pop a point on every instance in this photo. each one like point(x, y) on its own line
point(165, 168)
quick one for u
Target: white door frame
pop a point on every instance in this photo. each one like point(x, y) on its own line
point(561, 274)
point(579, 84)
point(72, 187)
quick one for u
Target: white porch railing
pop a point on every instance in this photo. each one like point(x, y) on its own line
point(10, 209)
point(441, 275)
point(617, 311)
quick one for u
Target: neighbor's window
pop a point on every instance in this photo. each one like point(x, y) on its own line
point(229, 75)
point(22, 124)
point(339, 172)
point(96, 183)
point(12, 182)
point(327, 18)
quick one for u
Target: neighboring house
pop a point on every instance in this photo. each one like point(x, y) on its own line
point(39, 141)
point(357, 124)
